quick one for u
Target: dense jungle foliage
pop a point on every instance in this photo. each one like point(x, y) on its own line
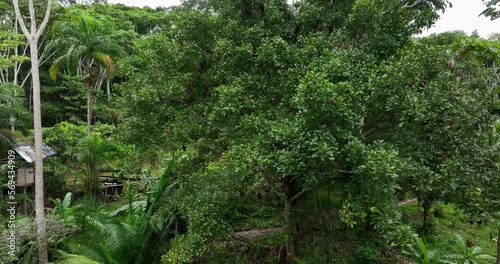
point(256, 131)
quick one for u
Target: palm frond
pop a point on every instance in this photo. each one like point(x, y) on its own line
point(66, 258)
point(83, 35)
point(105, 60)
point(53, 71)
point(5, 142)
point(88, 251)
point(11, 135)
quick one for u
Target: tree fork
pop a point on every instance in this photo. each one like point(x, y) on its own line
point(32, 37)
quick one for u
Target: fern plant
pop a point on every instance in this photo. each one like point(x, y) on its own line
point(131, 238)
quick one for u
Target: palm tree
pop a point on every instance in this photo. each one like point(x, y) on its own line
point(13, 113)
point(87, 44)
point(12, 109)
point(97, 153)
point(126, 235)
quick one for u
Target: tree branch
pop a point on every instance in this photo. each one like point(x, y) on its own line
point(45, 19)
point(407, 5)
point(12, 134)
point(294, 178)
point(33, 19)
point(298, 195)
point(20, 20)
point(346, 172)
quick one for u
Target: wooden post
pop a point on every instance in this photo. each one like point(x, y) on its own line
point(105, 194)
point(25, 201)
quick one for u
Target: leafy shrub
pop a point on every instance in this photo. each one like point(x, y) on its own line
point(26, 239)
point(367, 254)
point(470, 253)
point(134, 237)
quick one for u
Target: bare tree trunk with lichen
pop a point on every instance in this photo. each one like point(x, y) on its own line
point(32, 36)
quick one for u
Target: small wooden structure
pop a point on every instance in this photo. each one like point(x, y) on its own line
point(112, 189)
point(113, 183)
point(26, 173)
point(25, 176)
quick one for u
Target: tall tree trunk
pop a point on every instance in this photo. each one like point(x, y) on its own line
point(108, 88)
point(16, 69)
point(291, 243)
point(32, 36)
point(12, 119)
point(426, 204)
point(37, 127)
point(89, 82)
point(498, 246)
point(89, 110)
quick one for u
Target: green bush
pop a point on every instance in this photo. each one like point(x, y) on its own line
point(26, 238)
point(367, 254)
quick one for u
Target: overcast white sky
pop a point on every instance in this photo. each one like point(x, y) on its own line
point(150, 3)
point(463, 16)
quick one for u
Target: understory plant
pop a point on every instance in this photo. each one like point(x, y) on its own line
point(122, 238)
point(423, 255)
point(26, 242)
point(471, 254)
point(63, 208)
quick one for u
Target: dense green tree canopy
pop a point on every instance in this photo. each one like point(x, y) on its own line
point(307, 95)
point(266, 106)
